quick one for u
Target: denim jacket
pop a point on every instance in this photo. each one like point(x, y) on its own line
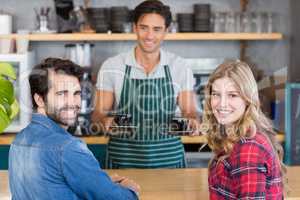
point(47, 163)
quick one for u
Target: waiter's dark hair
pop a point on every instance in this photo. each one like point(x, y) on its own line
point(152, 6)
point(39, 79)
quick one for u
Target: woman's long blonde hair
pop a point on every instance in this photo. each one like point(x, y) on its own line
point(253, 118)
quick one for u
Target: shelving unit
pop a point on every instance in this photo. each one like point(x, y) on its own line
point(243, 38)
point(132, 37)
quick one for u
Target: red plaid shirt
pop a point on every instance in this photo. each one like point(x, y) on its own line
point(250, 172)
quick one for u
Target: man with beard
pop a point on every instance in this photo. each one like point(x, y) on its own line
point(45, 161)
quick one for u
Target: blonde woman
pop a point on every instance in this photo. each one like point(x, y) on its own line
point(247, 159)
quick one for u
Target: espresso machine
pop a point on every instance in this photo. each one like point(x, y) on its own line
point(82, 127)
point(81, 53)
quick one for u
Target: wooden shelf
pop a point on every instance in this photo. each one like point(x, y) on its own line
point(131, 36)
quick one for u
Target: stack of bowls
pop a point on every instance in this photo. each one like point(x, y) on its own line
point(120, 15)
point(201, 17)
point(185, 22)
point(99, 19)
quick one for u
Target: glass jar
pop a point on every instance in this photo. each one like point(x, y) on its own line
point(246, 22)
point(219, 22)
point(229, 22)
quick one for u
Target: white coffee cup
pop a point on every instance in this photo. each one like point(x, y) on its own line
point(22, 41)
point(5, 24)
point(6, 45)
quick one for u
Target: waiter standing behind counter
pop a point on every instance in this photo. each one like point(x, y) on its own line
point(146, 83)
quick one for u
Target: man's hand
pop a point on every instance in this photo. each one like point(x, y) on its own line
point(194, 125)
point(104, 101)
point(108, 123)
point(126, 182)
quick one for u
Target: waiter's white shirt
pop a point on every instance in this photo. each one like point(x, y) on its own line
point(111, 74)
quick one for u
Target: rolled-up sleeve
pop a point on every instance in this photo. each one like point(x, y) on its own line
point(182, 75)
point(85, 177)
point(105, 77)
point(187, 80)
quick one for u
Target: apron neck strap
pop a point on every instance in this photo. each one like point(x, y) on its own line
point(168, 73)
point(166, 70)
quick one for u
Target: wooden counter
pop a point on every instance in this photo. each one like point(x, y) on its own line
point(172, 184)
point(6, 139)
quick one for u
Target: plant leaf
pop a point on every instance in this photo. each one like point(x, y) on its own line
point(7, 90)
point(7, 69)
point(4, 120)
point(6, 106)
point(9, 106)
point(14, 109)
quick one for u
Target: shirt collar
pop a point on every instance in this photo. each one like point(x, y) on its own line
point(131, 61)
point(46, 121)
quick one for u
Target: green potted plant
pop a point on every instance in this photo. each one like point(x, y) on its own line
point(9, 107)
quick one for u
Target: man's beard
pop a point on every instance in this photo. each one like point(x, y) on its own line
point(55, 115)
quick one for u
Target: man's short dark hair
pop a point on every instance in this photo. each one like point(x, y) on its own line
point(152, 6)
point(39, 79)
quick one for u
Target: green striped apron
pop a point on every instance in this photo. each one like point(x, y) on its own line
point(151, 103)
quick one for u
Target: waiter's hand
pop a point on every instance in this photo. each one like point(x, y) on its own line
point(194, 125)
point(106, 125)
point(126, 182)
